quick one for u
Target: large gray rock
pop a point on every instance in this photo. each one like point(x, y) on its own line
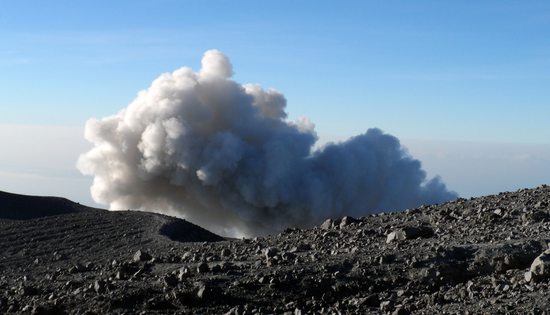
point(408, 233)
point(327, 225)
point(540, 268)
point(347, 220)
point(141, 256)
point(203, 267)
point(270, 252)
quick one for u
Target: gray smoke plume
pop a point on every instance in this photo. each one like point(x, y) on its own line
point(206, 148)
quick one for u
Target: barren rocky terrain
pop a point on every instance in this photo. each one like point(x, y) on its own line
point(483, 255)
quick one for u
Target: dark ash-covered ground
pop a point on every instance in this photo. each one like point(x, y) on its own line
point(469, 256)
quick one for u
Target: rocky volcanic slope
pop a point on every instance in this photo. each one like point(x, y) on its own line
point(484, 255)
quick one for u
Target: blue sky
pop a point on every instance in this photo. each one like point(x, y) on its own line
point(441, 71)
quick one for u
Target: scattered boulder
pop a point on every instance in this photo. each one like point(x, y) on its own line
point(206, 291)
point(27, 290)
point(47, 309)
point(270, 252)
point(346, 221)
point(302, 247)
point(540, 268)
point(77, 268)
point(183, 273)
point(170, 280)
point(327, 225)
point(408, 233)
point(203, 267)
point(141, 256)
point(225, 252)
point(100, 286)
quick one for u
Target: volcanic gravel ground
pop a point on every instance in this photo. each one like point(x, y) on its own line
point(484, 255)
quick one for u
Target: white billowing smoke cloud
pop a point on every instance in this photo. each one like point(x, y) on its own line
point(223, 155)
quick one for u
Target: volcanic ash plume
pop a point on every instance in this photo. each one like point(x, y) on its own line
point(220, 154)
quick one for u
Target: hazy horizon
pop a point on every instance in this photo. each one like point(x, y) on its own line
point(55, 173)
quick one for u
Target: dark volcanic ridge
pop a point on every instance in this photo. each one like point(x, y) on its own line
point(482, 255)
point(47, 221)
point(22, 207)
